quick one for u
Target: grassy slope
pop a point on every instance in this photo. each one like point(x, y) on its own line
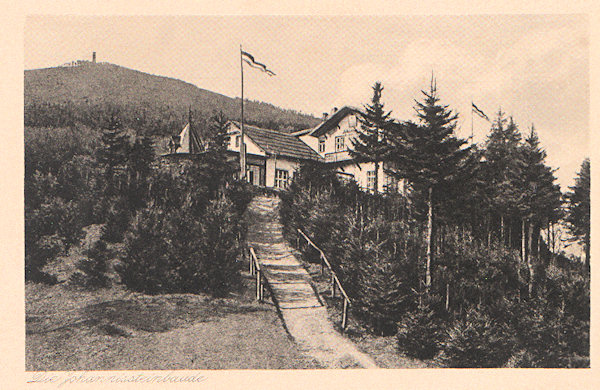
point(69, 328)
point(120, 86)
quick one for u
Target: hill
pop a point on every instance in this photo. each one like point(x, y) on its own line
point(157, 105)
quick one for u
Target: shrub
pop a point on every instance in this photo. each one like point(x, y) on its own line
point(117, 219)
point(92, 270)
point(376, 276)
point(477, 341)
point(178, 252)
point(37, 254)
point(421, 332)
point(240, 194)
point(50, 230)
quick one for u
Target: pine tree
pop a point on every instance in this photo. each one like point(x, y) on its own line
point(578, 208)
point(370, 144)
point(114, 153)
point(141, 155)
point(218, 132)
point(539, 197)
point(429, 154)
point(501, 171)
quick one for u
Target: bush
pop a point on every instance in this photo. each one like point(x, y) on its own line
point(422, 332)
point(177, 252)
point(477, 341)
point(241, 194)
point(117, 219)
point(376, 276)
point(92, 270)
point(50, 230)
point(37, 254)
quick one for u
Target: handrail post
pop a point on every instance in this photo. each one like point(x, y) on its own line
point(345, 315)
point(332, 285)
point(322, 264)
point(262, 291)
point(258, 285)
point(297, 239)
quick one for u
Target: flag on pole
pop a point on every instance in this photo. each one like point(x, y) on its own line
point(480, 113)
point(249, 59)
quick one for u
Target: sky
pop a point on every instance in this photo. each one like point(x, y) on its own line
point(533, 67)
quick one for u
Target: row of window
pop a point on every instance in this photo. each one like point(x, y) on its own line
point(390, 185)
point(339, 144)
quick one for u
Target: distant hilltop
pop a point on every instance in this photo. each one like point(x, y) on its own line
point(83, 92)
point(80, 62)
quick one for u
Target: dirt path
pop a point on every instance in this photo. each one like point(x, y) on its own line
point(304, 315)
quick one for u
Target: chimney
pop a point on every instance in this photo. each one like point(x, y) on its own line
point(94, 57)
point(325, 115)
point(334, 110)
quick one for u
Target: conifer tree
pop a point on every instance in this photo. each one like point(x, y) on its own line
point(218, 132)
point(429, 154)
point(141, 156)
point(114, 152)
point(539, 197)
point(370, 144)
point(501, 169)
point(578, 208)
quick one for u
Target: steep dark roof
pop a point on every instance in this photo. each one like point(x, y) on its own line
point(333, 121)
point(277, 143)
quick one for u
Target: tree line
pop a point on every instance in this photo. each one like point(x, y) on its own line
point(166, 226)
point(455, 267)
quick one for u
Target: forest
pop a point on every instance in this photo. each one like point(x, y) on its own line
point(148, 104)
point(165, 226)
point(456, 266)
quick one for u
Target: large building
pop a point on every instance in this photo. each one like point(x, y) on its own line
point(272, 157)
point(332, 139)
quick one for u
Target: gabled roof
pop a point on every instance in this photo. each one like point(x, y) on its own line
point(274, 142)
point(334, 120)
point(189, 141)
point(302, 132)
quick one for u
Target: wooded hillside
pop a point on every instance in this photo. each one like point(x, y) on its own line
point(149, 104)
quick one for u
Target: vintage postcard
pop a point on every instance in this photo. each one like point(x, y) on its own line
point(365, 199)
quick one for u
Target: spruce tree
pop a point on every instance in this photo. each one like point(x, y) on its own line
point(501, 170)
point(539, 197)
point(578, 208)
point(370, 144)
point(218, 132)
point(114, 153)
point(141, 156)
point(429, 154)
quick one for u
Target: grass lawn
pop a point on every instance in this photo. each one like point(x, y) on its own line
point(70, 328)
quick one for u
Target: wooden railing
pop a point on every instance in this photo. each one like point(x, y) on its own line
point(335, 281)
point(260, 277)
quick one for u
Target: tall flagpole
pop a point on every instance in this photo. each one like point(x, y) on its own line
point(242, 144)
point(472, 122)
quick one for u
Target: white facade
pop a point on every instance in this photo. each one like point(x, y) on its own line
point(263, 168)
point(334, 145)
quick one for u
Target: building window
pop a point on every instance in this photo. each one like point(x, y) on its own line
point(392, 184)
point(352, 121)
point(371, 181)
point(321, 145)
point(339, 143)
point(281, 178)
point(237, 141)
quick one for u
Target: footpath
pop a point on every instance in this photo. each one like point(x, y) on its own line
point(303, 314)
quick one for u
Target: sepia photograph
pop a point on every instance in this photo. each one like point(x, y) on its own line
point(306, 192)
